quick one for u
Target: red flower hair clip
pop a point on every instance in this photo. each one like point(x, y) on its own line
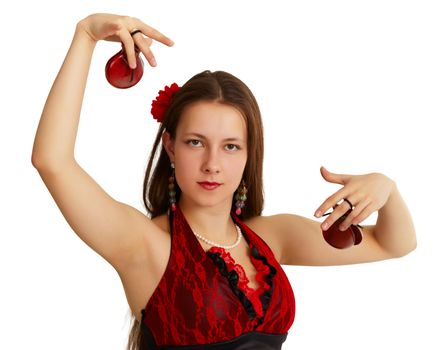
point(163, 100)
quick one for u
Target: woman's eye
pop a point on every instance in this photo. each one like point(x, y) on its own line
point(193, 142)
point(232, 147)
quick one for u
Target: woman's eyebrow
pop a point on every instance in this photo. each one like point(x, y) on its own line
point(204, 137)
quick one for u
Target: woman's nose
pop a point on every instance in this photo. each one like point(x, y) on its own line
point(212, 169)
point(211, 164)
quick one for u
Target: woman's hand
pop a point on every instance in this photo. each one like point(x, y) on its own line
point(103, 26)
point(367, 193)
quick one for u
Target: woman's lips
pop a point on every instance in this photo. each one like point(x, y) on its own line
point(209, 185)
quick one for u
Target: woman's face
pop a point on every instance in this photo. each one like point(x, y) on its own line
point(210, 146)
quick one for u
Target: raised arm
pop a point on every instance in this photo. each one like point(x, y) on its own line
point(58, 126)
point(113, 229)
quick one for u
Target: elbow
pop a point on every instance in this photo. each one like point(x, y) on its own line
point(49, 164)
point(411, 246)
point(38, 162)
point(38, 158)
point(35, 161)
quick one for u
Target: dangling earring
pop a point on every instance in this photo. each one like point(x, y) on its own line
point(171, 188)
point(241, 197)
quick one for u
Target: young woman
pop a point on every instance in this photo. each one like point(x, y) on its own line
point(204, 271)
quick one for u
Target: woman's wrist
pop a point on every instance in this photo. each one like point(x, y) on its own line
point(81, 30)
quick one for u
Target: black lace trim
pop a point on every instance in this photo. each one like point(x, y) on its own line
point(233, 279)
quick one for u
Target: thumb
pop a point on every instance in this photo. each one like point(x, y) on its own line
point(333, 177)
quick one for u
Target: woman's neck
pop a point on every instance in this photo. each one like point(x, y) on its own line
point(214, 223)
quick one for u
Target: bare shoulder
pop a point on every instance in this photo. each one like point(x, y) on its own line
point(291, 235)
point(265, 227)
point(162, 222)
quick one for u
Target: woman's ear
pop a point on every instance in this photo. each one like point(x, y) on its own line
point(168, 144)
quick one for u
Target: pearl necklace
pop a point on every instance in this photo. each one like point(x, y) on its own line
point(206, 240)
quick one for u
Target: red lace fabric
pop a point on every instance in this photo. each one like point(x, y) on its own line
point(203, 296)
point(263, 270)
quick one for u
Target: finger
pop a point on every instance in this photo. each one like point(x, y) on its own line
point(338, 212)
point(331, 201)
point(129, 48)
point(353, 215)
point(141, 40)
point(367, 211)
point(150, 57)
point(144, 44)
point(333, 177)
point(154, 34)
point(147, 41)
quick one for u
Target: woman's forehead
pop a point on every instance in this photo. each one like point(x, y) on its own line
point(212, 119)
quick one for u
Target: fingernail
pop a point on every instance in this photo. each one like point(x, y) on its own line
point(153, 62)
point(325, 226)
point(317, 213)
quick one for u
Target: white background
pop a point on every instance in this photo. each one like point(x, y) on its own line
point(356, 86)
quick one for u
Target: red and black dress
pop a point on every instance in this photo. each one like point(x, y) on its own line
point(203, 301)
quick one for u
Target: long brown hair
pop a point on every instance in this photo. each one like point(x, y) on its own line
point(219, 87)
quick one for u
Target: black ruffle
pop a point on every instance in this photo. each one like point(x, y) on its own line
point(233, 278)
point(266, 297)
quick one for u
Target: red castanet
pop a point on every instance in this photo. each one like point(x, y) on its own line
point(118, 72)
point(343, 239)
